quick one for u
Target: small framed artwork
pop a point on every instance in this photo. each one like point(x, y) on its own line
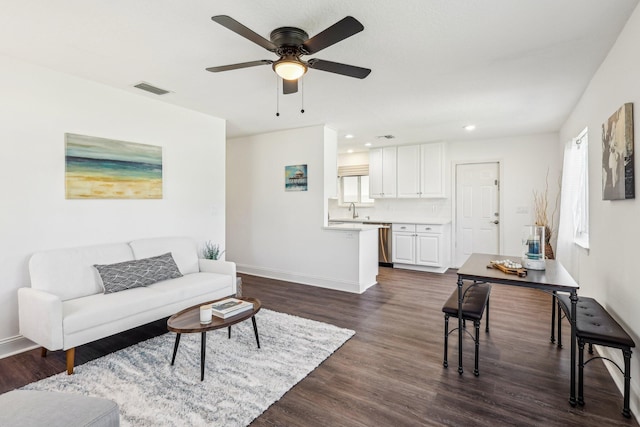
point(295, 178)
point(618, 181)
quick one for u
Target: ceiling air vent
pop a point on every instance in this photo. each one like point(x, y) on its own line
point(150, 88)
point(385, 136)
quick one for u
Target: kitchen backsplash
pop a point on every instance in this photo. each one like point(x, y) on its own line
point(396, 209)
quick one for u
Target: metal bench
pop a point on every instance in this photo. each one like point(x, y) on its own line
point(475, 299)
point(594, 325)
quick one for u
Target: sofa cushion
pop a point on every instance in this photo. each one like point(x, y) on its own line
point(183, 249)
point(95, 310)
point(69, 273)
point(193, 285)
point(142, 272)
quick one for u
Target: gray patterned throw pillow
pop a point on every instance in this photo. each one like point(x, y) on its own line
point(142, 272)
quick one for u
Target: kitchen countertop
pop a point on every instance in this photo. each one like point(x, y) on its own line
point(395, 221)
point(351, 226)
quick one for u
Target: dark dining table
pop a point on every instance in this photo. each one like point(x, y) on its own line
point(554, 278)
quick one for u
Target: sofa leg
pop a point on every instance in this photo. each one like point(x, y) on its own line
point(70, 360)
point(43, 352)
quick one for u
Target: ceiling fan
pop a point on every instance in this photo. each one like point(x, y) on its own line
point(290, 43)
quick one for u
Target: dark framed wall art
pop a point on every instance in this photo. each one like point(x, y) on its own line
point(618, 182)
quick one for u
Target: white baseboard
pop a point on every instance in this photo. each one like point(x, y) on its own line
point(322, 282)
point(420, 268)
point(15, 345)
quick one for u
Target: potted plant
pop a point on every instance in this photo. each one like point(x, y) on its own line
point(211, 251)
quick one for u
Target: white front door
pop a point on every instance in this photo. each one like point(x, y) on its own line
point(477, 210)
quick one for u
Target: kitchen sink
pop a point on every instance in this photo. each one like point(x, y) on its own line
point(359, 220)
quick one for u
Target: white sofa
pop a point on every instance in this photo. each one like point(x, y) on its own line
point(66, 305)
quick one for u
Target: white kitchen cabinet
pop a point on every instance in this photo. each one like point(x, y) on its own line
point(432, 170)
point(428, 249)
point(422, 247)
point(403, 246)
point(421, 171)
point(382, 172)
point(409, 171)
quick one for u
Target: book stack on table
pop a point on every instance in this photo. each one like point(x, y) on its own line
point(230, 307)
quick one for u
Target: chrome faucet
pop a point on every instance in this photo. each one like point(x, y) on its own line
point(355, 214)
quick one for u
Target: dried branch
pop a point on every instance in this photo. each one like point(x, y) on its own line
point(541, 206)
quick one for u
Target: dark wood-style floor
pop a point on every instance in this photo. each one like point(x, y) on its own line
point(390, 373)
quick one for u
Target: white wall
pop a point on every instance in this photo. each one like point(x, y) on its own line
point(279, 234)
point(37, 107)
point(524, 162)
point(609, 270)
point(352, 159)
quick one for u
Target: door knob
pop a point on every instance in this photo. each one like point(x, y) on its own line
point(496, 221)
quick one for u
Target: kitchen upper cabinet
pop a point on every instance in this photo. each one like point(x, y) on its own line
point(432, 168)
point(421, 171)
point(409, 171)
point(382, 172)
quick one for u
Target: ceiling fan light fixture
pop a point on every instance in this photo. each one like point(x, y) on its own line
point(289, 69)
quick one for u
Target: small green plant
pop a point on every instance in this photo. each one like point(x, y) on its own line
point(211, 251)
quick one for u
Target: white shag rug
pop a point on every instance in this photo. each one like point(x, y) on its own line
point(240, 383)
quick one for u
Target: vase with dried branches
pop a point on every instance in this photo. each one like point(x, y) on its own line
point(541, 218)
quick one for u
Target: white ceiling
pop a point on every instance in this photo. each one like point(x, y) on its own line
point(511, 67)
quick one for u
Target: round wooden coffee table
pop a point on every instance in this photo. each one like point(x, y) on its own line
point(187, 321)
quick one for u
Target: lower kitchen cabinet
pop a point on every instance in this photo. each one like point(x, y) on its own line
point(403, 247)
point(422, 247)
point(428, 249)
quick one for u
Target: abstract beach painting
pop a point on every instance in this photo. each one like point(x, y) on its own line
point(100, 168)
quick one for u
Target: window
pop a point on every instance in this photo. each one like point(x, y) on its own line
point(354, 184)
point(355, 189)
point(582, 206)
point(574, 203)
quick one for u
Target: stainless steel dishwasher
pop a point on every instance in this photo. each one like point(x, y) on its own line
point(384, 243)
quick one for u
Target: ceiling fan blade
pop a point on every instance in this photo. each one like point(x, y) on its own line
point(289, 86)
point(332, 35)
point(240, 65)
point(238, 28)
point(338, 68)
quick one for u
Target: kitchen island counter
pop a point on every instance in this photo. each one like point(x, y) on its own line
point(358, 245)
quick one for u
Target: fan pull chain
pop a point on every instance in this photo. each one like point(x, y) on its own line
point(277, 97)
point(301, 80)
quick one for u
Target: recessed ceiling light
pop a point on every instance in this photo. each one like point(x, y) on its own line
point(349, 151)
point(469, 128)
point(368, 144)
point(348, 136)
